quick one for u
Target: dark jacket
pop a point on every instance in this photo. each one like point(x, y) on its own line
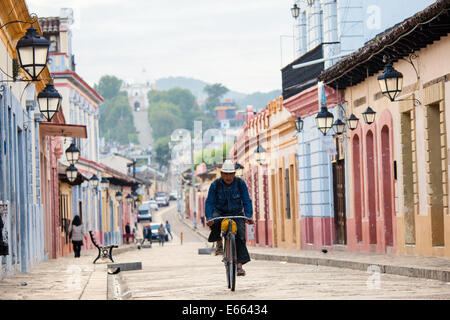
point(228, 200)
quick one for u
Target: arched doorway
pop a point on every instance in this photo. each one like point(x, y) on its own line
point(356, 156)
point(386, 184)
point(371, 188)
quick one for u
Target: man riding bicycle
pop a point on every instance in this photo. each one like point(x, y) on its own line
point(228, 196)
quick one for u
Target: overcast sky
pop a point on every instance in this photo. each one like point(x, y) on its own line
point(234, 42)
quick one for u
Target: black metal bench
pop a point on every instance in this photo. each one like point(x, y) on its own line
point(104, 252)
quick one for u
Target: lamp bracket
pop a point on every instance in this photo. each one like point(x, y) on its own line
point(33, 17)
point(409, 59)
point(412, 56)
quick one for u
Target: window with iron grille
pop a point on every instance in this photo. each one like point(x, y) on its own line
point(288, 195)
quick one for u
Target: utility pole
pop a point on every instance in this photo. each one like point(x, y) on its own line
point(193, 184)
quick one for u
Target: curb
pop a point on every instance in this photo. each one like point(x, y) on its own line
point(196, 231)
point(425, 273)
point(415, 272)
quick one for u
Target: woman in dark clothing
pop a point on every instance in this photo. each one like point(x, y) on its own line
point(77, 234)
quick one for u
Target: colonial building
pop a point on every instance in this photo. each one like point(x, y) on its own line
point(398, 165)
point(25, 226)
point(79, 107)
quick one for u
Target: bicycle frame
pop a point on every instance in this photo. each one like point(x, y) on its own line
point(230, 255)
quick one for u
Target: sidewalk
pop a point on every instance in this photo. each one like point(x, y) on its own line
point(65, 278)
point(437, 268)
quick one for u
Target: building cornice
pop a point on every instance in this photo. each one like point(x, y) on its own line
point(80, 83)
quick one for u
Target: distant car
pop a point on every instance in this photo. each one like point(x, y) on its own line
point(144, 212)
point(173, 196)
point(154, 227)
point(162, 199)
point(153, 205)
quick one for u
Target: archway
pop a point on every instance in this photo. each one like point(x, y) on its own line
point(356, 148)
point(386, 183)
point(371, 188)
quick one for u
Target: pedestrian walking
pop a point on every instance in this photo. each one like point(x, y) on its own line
point(127, 232)
point(195, 220)
point(149, 235)
point(77, 234)
point(168, 229)
point(202, 219)
point(161, 234)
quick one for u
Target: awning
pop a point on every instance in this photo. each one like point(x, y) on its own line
point(62, 130)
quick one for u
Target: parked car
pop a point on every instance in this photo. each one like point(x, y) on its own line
point(144, 212)
point(162, 199)
point(173, 196)
point(154, 227)
point(153, 205)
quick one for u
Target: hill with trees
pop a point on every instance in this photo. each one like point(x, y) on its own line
point(257, 99)
point(116, 118)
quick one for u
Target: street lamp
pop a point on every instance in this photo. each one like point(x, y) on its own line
point(119, 196)
point(352, 122)
point(49, 101)
point(134, 195)
point(239, 170)
point(104, 183)
point(324, 120)
point(390, 82)
point(32, 50)
point(129, 198)
point(369, 115)
point(299, 124)
point(94, 181)
point(71, 173)
point(260, 154)
point(338, 126)
point(72, 154)
point(295, 11)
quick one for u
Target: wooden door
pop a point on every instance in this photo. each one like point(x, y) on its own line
point(340, 226)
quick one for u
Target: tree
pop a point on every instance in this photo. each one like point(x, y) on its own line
point(162, 151)
point(163, 122)
point(108, 86)
point(215, 92)
point(116, 118)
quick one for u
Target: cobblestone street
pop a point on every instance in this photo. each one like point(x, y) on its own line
point(176, 271)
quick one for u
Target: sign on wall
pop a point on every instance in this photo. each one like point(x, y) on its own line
point(251, 232)
point(3, 230)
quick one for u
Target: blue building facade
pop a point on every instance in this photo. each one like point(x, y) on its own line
point(23, 226)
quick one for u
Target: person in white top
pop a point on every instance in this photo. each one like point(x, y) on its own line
point(77, 234)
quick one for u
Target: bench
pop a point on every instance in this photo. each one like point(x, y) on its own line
point(103, 251)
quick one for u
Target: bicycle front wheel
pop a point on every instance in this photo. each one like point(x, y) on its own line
point(226, 260)
point(232, 263)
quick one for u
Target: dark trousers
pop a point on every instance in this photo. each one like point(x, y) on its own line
point(241, 247)
point(77, 248)
point(149, 238)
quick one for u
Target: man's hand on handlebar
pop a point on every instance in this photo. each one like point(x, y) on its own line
point(209, 223)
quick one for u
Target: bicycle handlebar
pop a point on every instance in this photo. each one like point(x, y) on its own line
point(229, 217)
